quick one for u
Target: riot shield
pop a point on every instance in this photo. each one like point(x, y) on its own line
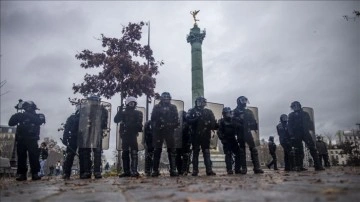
point(178, 131)
point(255, 133)
point(106, 132)
point(140, 136)
point(310, 111)
point(216, 108)
point(93, 124)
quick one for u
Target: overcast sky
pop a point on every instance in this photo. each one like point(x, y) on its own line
point(273, 52)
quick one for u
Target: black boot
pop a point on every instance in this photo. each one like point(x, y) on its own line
point(21, 177)
point(172, 162)
point(126, 164)
point(134, 163)
point(208, 163)
point(195, 162)
point(255, 161)
point(185, 164)
point(149, 155)
point(35, 176)
point(156, 162)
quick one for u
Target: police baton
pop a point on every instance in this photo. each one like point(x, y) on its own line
point(71, 149)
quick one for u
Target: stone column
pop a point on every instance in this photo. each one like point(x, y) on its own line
point(195, 38)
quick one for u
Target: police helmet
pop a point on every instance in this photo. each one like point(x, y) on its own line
point(200, 102)
point(283, 118)
point(242, 100)
point(295, 105)
point(130, 99)
point(271, 138)
point(226, 112)
point(29, 106)
point(165, 96)
point(94, 97)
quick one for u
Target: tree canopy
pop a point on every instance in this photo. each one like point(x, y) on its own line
point(121, 69)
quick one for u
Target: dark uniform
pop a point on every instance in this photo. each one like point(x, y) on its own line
point(149, 148)
point(272, 151)
point(245, 122)
point(299, 128)
point(323, 152)
point(285, 142)
point(164, 119)
point(201, 122)
point(26, 139)
point(183, 153)
point(70, 138)
point(130, 121)
point(227, 135)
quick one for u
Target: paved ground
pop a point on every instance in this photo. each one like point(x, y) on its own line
point(335, 184)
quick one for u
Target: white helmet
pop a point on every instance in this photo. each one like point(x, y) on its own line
point(130, 99)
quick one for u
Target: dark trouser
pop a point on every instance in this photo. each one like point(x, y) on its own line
point(273, 161)
point(149, 155)
point(247, 138)
point(130, 151)
point(97, 160)
point(69, 159)
point(306, 137)
point(158, 139)
point(182, 159)
point(231, 147)
point(203, 141)
point(298, 154)
point(287, 157)
point(85, 161)
point(23, 148)
point(325, 158)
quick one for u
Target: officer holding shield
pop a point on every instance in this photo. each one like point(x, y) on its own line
point(299, 128)
point(245, 122)
point(201, 122)
point(164, 120)
point(93, 121)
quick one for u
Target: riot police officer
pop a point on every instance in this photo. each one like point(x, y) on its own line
point(164, 119)
point(285, 141)
point(272, 151)
point(245, 122)
point(226, 133)
point(183, 153)
point(130, 121)
point(323, 151)
point(70, 138)
point(97, 119)
point(26, 139)
point(201, 121)
point(299, 124)
point(149, 148)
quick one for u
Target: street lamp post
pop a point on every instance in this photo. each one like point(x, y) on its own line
point(148, 63)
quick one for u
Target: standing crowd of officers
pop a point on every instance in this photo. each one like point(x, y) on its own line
point(234, 130)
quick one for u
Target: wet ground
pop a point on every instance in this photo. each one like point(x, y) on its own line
point(334, 184)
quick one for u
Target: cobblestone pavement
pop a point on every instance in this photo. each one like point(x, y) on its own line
point(334, 184)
